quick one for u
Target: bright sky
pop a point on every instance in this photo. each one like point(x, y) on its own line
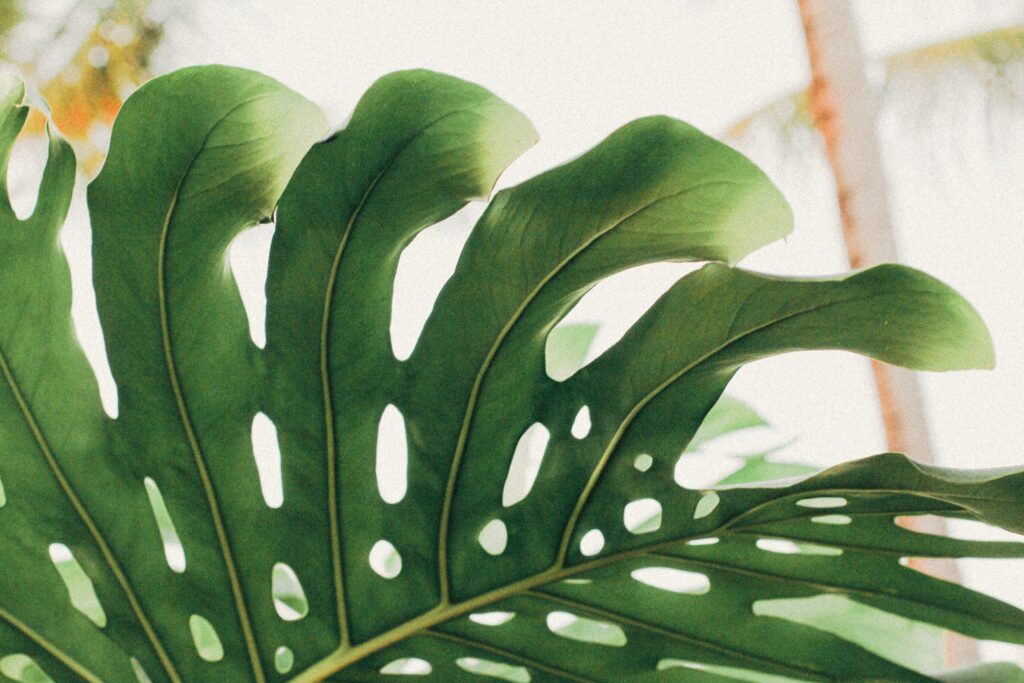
point(580, 69)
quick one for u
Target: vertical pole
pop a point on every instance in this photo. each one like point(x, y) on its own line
point(845, 113)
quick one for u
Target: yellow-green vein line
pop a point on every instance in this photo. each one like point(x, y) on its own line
point(332, 457)
point(83, 513)
point(460, 446)
point(50, 648)
point(595, 476)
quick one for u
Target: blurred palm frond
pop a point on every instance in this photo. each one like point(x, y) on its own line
point(915, 88)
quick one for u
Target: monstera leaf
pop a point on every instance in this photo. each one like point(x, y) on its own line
point(459, 514)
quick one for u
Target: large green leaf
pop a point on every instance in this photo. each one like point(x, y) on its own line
point(142, 543)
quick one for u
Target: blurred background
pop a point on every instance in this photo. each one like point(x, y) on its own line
point(920, 131)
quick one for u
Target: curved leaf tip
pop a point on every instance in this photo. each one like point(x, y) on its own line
point(947, 332)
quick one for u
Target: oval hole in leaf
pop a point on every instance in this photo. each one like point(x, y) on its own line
point(206, 640)
point(407, 666)
point(493, 537)
point(706, 505)
point(289, 599)
point(581, 425)
point(3, 495)
point(22, 668)
point(643, 462)
point(174, 551)
point(822, 502)
point(585, 630)
point(267, 452)
point(485, 667)
point(385, 560)
point(642, 516)
point(673, 580)
point(139, 672)
point(284, 659)
point(778, 546)
point(703, 541)
point(592, 543)
point(491, 618)
point(392, 455)
point(782, 546)
point(249, 258)
point(526, 461)
point(80, 587)
point(669, 663)
point(424, 266)
point(832, 519)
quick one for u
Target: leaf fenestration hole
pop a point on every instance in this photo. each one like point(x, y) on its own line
point(174, 552)
point(284, 659)
point(642, 516)
point(782, 546)
point(566, 348)
point(673, 580)
point(206, 640)
point(3, 495)
point(703, 541)
point(76, 238)
point(385, 560)
point(407, 666)
point(424, 266)
point(249, 258)
point(22, 668)
point(664, 664)
point(485, 667)
point(392, 455)
point(643, 462)
point(289, 598)
point(822, 502)
point(832, 519)
point(778, 546)
point(140, 673)
point(81, 590)
point(267, 452)
point(706, 505)
point(581, 424)
point(592, 543)
point(526, 462)
point(585, 630)
point(493, 537)
point(491, 618)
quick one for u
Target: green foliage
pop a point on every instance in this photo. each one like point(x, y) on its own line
point(603, 569)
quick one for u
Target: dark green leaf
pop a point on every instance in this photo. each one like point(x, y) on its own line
point(393, 549)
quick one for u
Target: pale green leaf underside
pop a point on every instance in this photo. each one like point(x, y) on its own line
point(337, 582)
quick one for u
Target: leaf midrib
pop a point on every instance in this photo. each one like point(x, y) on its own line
point(223, 539)
point(485, 366)
point(571, 525)
point(334, 521)
point(344, 657)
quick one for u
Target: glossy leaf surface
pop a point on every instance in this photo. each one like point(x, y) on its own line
point(598, 570)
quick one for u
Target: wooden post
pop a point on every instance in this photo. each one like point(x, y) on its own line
point(844, 108)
